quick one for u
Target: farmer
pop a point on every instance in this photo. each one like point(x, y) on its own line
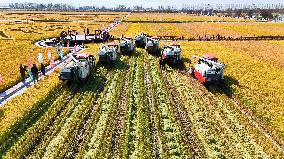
point(88, 31)
point(162, 63)
point(34, 71)
point(42, 69)
point(23, 72)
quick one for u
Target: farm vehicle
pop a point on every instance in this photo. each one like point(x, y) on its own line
point(208, 69)
point(78, 69)
point(108, 53)
point(126, 46)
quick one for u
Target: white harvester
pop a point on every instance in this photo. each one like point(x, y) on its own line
point(171, 53)
point(108, 53)
point(208, 69)
point(153, 45)
point(141, 40)
point(78, 69)
point(126, 46)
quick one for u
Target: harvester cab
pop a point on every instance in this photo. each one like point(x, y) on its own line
point(108, 53)
point(78, 69)
point(171, 53)
point(208, 69)
point(140, 40)
point(126, 46)
point(153, 45)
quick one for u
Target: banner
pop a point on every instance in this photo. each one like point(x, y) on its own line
point(68, 44)
point(1, 80)
point(49, 55)
point(52, 63)
point(30, 63)
point(61, 54)
point(40, 58)
point(30, 75)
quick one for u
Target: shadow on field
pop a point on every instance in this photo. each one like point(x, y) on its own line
point(1, 113)
point(30, 117)
point(181, 66)
point(224, 87)
point(119, 64)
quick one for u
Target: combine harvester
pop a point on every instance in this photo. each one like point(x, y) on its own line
point(108, 53)
point(208, 69)
point(153, 45)
point(126, 46)
point(171, 53)
point(79, 69)
point(141, 40)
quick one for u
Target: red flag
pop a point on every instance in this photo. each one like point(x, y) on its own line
point(68, 44)
point(52, 63)
point(75, 49)
point(49, 55)
point(30, 63)
point(1, 80)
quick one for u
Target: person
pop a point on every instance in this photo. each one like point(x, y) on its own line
point(42, 69)
point(23, 72)
point(34, 71)
point(88, 31)
point(162, 63)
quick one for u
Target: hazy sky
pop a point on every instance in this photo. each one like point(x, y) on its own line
point(177, 3)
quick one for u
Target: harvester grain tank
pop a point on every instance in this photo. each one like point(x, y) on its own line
point(140, 40)
point(208, 69)
point(78, 69)
point(171, 53)
point(108, 53)
point(153, 45)
point(126, 46)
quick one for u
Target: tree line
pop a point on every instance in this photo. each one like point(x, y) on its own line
point(266, 11)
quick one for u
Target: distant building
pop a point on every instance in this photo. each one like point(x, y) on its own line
point(4, 8)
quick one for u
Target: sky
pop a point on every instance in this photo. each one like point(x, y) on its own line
point(145, 3)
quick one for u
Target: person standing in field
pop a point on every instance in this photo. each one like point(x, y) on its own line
point(23, 72)
point(34, 71)
point(162, 63)
point(42, 69)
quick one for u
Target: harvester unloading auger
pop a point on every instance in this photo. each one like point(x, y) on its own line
point(79, 69)
point(108, 53)
point(126, 46)
point(208, 69)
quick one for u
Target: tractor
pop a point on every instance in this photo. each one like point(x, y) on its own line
point(108, 53)
point(78, 69)
point(153, 45)
point(208, 69)
point(126, 46)
point(140, 40)
point(171, 53)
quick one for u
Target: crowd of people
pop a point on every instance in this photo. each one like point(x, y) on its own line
point(32, 72)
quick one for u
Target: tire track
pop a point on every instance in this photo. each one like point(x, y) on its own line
point(155, 144)
point(73, 150)
point(190, 137)
point(155, 140)
point(119, 125)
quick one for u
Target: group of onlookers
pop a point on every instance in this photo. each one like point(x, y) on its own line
point(33, 72)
